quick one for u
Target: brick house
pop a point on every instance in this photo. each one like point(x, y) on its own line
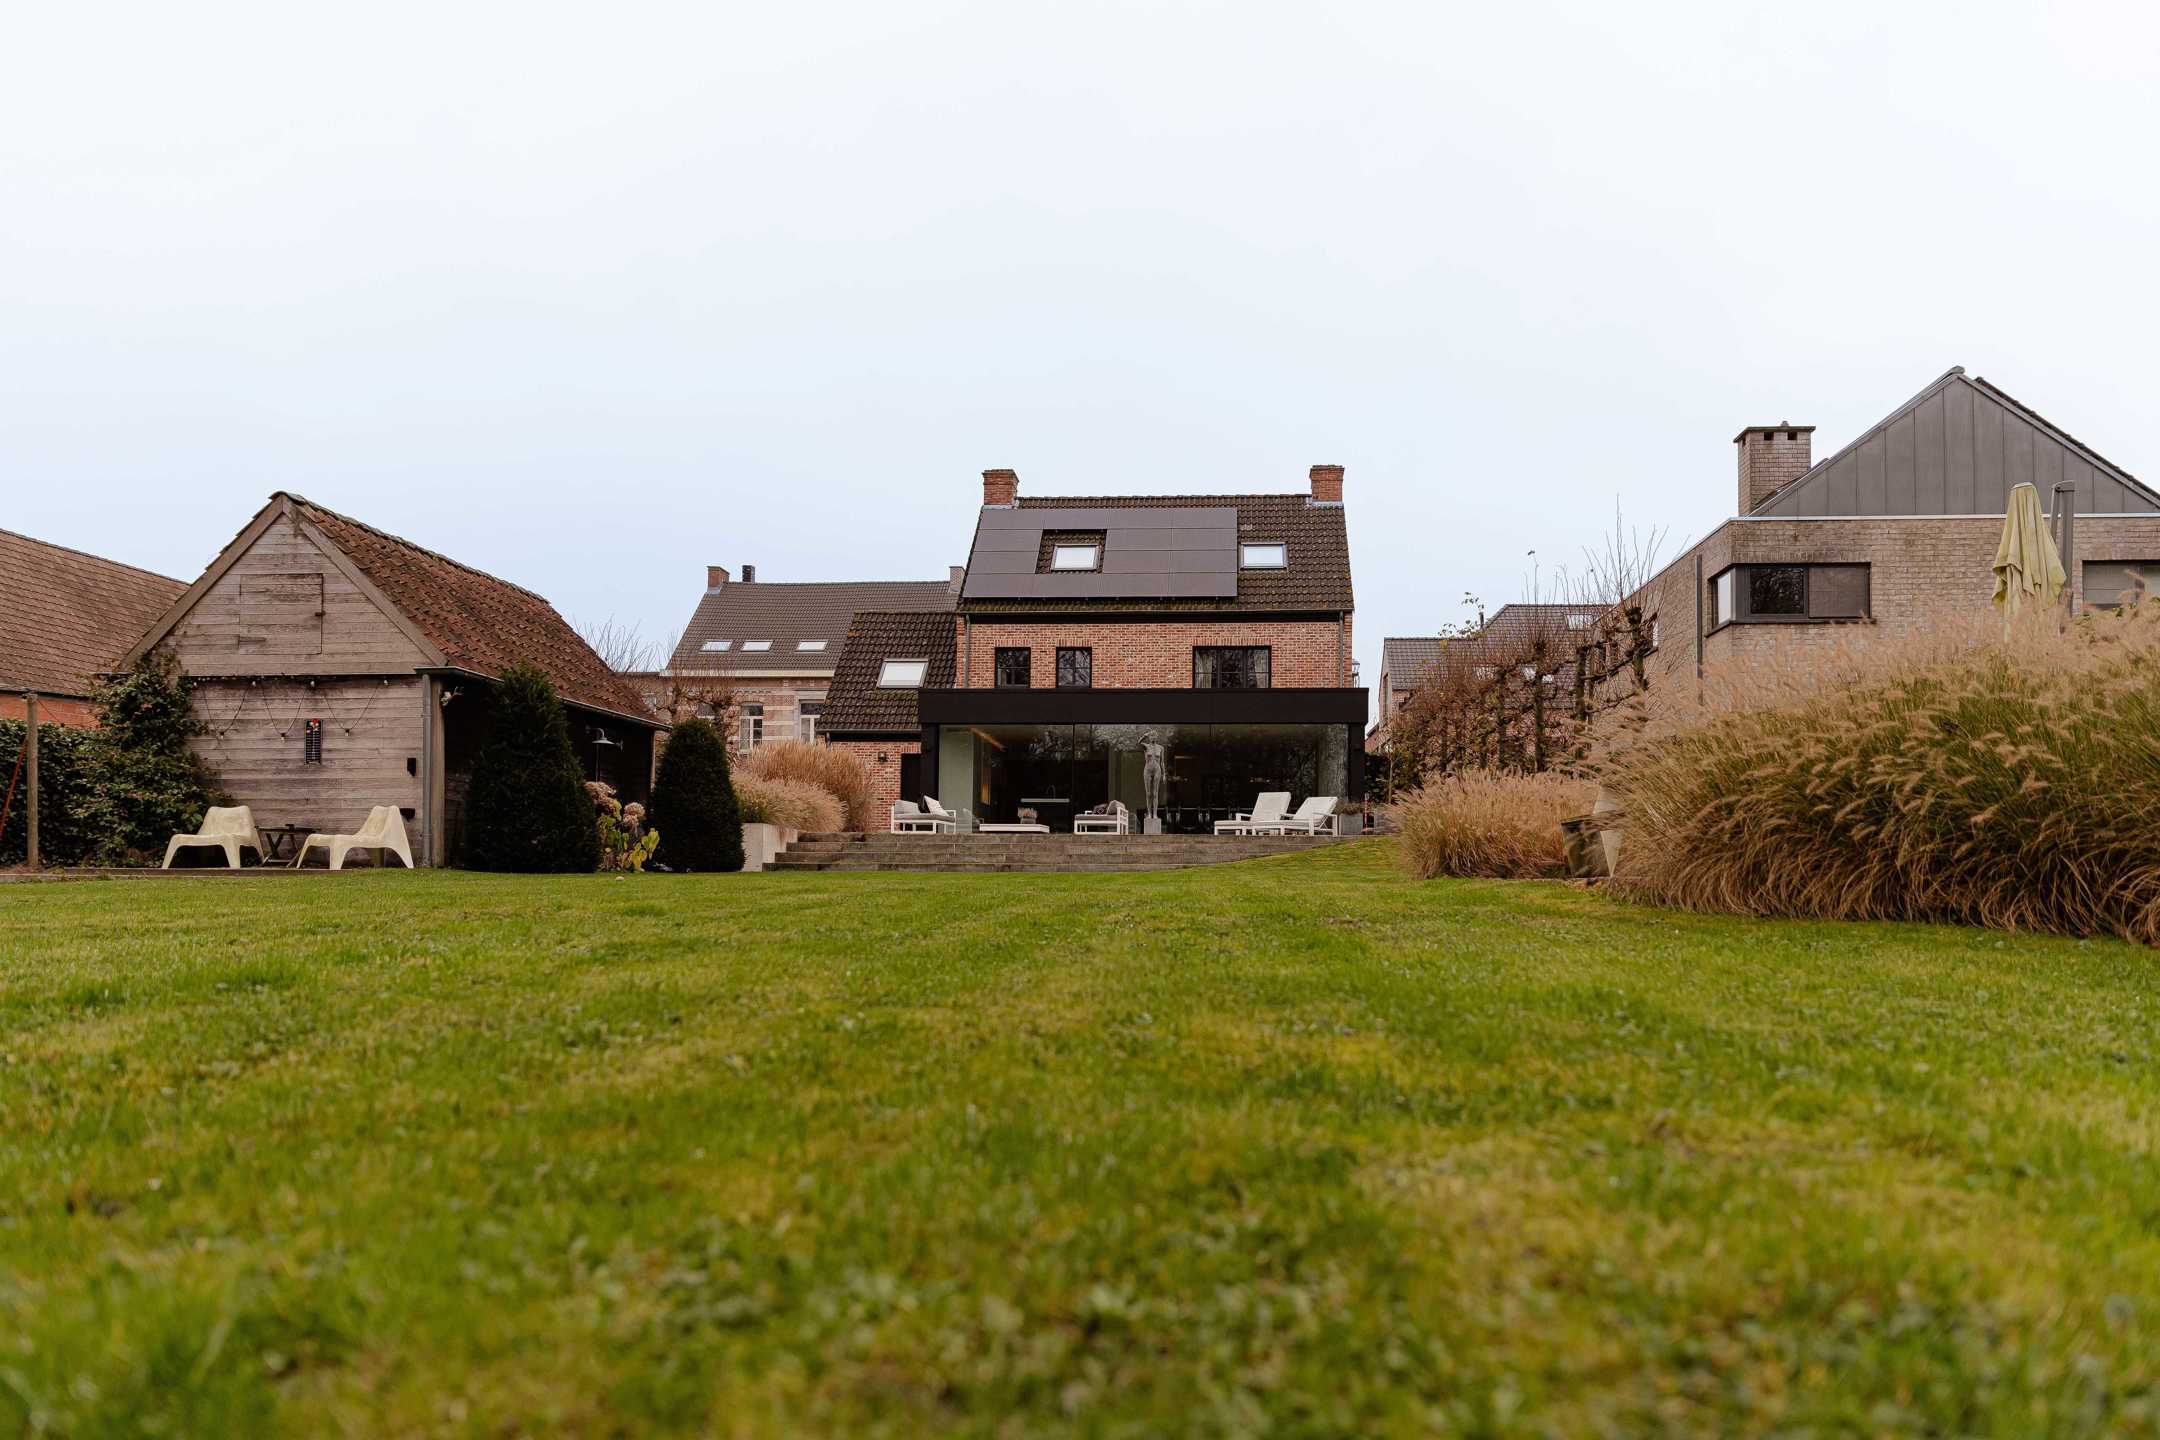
point(1897, 528)
point(65, 619)
point(876, 721)
point(1090, 631)
point(758, 656)
point(337, 667)
point(1514, 636)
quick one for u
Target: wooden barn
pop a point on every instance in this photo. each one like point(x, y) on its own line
point(337, 667)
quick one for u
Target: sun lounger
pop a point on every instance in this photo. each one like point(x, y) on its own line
point(383, 830)
point(230, 828)
point(1267, 810)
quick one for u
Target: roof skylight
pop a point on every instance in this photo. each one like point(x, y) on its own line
point(902, 674)
point(757, 644)
point(718, 645)
point(810, 644)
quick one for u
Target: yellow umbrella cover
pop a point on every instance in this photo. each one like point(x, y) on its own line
point(2026, 565)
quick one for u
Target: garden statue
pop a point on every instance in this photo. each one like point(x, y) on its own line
point(1151, 778)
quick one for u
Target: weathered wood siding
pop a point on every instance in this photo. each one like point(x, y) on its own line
point(284, 608)
point(373, 741)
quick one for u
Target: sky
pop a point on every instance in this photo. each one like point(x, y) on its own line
point(591, 297)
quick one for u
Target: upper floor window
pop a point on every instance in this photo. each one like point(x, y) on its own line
point(1230, 667)
point(809, 644)
point(1579, 621)
point(1788, 594)
point(1075, 667)
point(1074, 557)
point(1012, 666)
point(1263, 557)
point(718, 645)
point(757, 644)
point(901, 674)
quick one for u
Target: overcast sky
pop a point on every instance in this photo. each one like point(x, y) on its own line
point(592, 296)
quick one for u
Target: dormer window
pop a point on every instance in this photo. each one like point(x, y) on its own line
point(1074, 557)
point(902, 674)
point(1263, 557)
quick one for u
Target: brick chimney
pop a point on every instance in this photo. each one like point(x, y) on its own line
point(749, 574)
point(715, 576)
point(955, 577)
point(1327, 484)
point(1000, 487)
point(1770, 455)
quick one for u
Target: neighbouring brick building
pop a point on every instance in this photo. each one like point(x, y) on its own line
point(1516, 635)
point(65, 619)
point(758, 656)
point(1895, 530)
point(1091, 633)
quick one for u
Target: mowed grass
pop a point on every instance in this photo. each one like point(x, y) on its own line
point(1297, 1147)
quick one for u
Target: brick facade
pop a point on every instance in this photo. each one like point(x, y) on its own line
point(1921, 569)
point(886, 771)
point(1305, 654)
point(52, 710)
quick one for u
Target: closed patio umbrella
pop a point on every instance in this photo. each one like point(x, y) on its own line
point(2026, 565)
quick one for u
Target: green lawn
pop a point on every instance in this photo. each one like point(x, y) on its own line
point(1296, 1147)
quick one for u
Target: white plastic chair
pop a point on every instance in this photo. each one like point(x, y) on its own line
point(1267, 810)
point(384, 829)
point(1314, 817)
point(230, 828)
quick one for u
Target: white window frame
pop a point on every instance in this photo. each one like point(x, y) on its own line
point(1246, 561)
point(753, 726)
point(810, 645)
point(888, 680)
point(718, 645)
point(757, 644)
point(1580, 622)
point(1058, 554)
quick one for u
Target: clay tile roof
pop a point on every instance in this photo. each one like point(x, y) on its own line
point(1317, 538)
point(854, 704)
point(65, 617)
point(786, 614)
point(480, 623)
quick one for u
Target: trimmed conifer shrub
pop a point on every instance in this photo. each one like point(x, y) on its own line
point(529, 811)
point(693, 803)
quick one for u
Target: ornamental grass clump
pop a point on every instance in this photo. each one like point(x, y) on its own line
point(2007, 777)
point(789, 804)
point(1487, 823)
point(836, 772)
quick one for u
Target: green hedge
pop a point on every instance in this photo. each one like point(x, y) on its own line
point(74, 817)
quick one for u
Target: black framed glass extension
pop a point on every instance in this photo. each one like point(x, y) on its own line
point(1047, 774)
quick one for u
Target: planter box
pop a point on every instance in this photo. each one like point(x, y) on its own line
point(762, 844)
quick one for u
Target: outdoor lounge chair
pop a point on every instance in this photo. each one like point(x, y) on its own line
point(1315, 817)
point(383, 830)
point(1266, 811)
point(1116, 820)
point(230, 828)
point(908, 818)
point(956, 818)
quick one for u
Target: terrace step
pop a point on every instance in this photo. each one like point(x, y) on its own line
point(973, 854)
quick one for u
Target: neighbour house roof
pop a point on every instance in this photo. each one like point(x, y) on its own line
point(786, 615)
point(66, 617)
point(855, 703)
point(1504, 639)
point(1315, 576)
point(472, 620)
point(1957, 448)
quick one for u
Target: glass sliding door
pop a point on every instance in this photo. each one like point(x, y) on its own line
point(1050, 773)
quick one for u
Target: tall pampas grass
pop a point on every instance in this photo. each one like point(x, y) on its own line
point(1486, 823)
point(1996, 775)
point(829, 768)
